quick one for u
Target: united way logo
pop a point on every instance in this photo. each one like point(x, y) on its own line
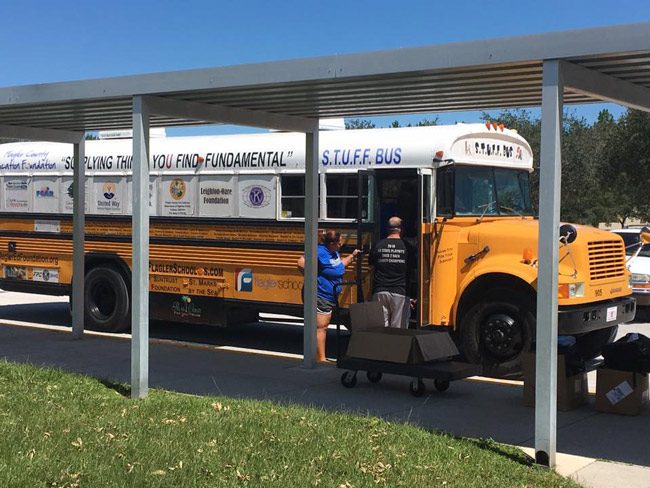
point(256, 196)
point(108, 190)
point(244, 279)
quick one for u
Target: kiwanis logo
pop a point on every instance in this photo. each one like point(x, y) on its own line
point(256, 196)
point(177, 188)
point(109, 190)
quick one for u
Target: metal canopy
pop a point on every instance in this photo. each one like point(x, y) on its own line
point(550, 70)
point(500, 73)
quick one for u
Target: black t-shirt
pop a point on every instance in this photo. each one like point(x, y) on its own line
point(393, 262)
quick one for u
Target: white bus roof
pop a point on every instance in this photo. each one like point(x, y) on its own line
point(422, 147)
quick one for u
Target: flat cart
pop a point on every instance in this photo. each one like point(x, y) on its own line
point(441, 372)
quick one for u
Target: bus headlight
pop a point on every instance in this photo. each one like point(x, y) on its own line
point(638, 280)
point(571, 290)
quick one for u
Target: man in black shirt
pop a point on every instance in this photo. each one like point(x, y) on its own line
point(392, 259)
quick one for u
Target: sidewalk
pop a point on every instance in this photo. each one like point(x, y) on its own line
point(470, 408)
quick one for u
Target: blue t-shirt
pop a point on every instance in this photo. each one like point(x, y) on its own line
point(330, 273)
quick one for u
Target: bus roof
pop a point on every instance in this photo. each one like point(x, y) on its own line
point(347, 150)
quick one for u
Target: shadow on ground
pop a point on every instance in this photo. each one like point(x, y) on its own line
point(470, 408)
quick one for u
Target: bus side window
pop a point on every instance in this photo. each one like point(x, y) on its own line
point(342, 196)
point(293, 196)
point(445, 192)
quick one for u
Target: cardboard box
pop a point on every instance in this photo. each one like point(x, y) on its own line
point(571, 390)
point(621, 392)
point(408, 346)
point(366, 315)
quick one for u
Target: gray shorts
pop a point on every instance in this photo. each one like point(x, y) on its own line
point(397, 309)
point(324, 306)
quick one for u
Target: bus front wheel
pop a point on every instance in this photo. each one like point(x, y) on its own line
point(107, 301)
point(497, 330)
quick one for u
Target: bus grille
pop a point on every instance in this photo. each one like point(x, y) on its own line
point(606, 259)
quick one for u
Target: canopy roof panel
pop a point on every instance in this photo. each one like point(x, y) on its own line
point(489, 74)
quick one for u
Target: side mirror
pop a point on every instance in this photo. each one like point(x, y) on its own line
point(568, 233)
point(645, 236)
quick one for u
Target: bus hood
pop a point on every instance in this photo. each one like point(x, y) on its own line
point(592, 251)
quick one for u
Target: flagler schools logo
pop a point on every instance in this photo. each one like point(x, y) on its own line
point(244, 279)
point(177, 188)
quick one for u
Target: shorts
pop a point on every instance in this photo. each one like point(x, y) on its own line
point(324, 306)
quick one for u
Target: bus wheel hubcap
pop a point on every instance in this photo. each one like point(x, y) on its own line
point(501, 335)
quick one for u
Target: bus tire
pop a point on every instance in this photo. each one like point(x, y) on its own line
point(107, 301)
point(590, 345)
point(497, 330)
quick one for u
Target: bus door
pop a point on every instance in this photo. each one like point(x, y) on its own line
point(426, 213)
point(366, 210)
point(397, 193)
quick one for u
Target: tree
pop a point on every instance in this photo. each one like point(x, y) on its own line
point(626, 176)
point(359, 124)
point(582, 154)
point(427, 122)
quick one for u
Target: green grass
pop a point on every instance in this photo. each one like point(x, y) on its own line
point(64, 430)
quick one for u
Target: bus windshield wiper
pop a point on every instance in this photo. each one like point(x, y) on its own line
point(487, 206)
point(509, 209)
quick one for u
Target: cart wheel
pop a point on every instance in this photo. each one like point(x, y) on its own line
point(417, 387)
point(349, 379)
point(373, 376)
point(441, 385)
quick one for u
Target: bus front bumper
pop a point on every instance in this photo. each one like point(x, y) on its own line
point(580, 319)
point(642, 296)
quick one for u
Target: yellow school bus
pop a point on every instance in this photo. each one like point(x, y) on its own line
point(227, 217)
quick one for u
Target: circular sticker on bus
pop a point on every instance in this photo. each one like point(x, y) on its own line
point(177, 188)
point(256, 196)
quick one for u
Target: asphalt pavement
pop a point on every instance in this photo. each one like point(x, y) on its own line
point(262, 361)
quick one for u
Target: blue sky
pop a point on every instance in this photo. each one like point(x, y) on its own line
point(69, 40)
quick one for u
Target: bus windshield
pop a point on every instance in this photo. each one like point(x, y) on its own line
point(491, 191)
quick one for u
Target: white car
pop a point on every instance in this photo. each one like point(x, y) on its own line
point(638, 262)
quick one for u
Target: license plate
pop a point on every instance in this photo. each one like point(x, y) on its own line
point(611, 313)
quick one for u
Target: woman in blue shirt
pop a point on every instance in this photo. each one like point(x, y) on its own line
point(331, 268)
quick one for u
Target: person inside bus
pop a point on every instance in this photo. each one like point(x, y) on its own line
point(407, 210)
point(331, 267)
point(392, 260)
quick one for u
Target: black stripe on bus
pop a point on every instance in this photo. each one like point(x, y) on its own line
point(183, 220)
point(176, 241)
point(40, 287)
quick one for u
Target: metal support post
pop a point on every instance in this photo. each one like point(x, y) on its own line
point(547, 283)
point(140, 260)
point(78, 238)
point(311, 247)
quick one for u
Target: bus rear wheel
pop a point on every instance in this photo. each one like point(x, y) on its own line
point(497, 330)
point(107, 301)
